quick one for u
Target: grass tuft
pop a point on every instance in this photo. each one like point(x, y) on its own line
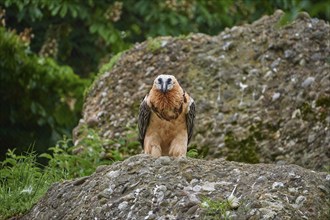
point(216, 209)
point(23, 181)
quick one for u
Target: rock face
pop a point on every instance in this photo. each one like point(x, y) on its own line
point(262, 91)
point(143, 187)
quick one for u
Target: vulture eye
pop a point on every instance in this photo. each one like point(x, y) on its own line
point(160, 80)
point(169, 80)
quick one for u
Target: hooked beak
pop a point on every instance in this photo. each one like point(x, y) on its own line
point(163, 88)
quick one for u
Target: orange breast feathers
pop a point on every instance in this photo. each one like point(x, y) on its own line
point(166, 118)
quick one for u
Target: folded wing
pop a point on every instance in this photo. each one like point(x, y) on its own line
point(190, 118)
point(143, 121)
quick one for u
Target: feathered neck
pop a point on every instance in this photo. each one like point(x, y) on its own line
point(169, 100)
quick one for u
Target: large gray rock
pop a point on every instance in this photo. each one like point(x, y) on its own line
point(262, 91)
point(143, 187)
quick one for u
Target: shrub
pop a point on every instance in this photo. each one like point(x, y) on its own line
point(92, 29)
point(40, 99)
point(23, 181)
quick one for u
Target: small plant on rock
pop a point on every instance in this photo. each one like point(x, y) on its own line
point(216, 209)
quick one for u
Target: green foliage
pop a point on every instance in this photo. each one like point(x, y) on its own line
point(193, 153)
point(89, 30)
point(22, 183)
point(154, 45)
point(70, 165)
point(215, 209)
point(124, 147)
point(82, 30)
point(317, 113)
point(244, 150)
point(307, 112)
point(42, 99)
point(326, 168)
point(323, 101)
point(114, 149)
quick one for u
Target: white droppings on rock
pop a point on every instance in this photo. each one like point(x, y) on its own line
point(187, 188)
point(300, 201)
point(136, 194)
point(113, 174)
point(150, 69)
point(163, 160)
point(296, 113)
point(237, 171)
point(205, 204)
point(293, 190)
point(291, 143)
point(100, 114)
point(275, 96)
point(224, 183)
point(233, 201)
point(197, 188)
point(253, 212)
point(194, 182)
point(261, 179)
point(292, 175)
point(277, 185)
point(117, 134)
point(254, 71)
point(104, 94)
point(277, 134)
point(159, 193)
point(307, 82)
point(327, 177)
point(242, 86)
point(227, 45)
point(193, 198)
point(288, 54)
point(162, 188)
point(268, 74)
point(138, 63)
point(127, 94)
point(150, 215)
point(107, 134)
point(267, 213)
point(209, 186)
point(275, 64)
point(122, 205)
point(109, 191)
point(164, 43)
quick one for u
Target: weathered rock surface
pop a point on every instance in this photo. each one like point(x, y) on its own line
point(262, 91)
point(143, 187)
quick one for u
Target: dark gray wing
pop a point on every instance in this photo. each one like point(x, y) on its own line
point(190, 118)
point(143, 120)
